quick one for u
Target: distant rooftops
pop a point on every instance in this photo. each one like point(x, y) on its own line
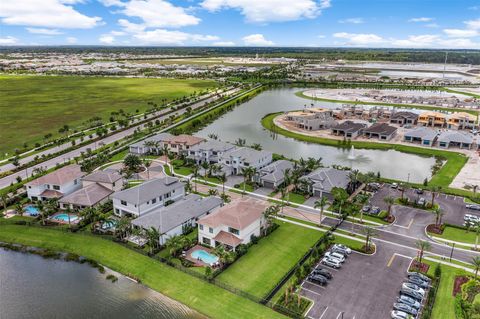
point(455, 137)
point(60, 176)
point(87, 196)
point(103, 177)
point(247, 154)
point(350, 126)
point(212, 145)
point(423, 133)
point(148, 190)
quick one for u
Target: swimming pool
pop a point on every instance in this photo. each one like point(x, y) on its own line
point(204, 256)
point(64, 218)
point(31, 210)
point(109, 224)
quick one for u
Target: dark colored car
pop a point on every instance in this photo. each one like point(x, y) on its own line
point(405, 308)
point(320, 280)
point(419, 191)
point(323, 272)
point(418, 281)
point(412, 293)
point(419, 275)
point(409, 301)
point(375, 210)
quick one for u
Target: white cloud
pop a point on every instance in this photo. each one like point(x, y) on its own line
point(359, 38)
point(106, 39)
point(118, 33)
point(473, 24)
point(71, 40)
point(461, 33)
point(421, 19)
point(417, 41)
point(45, 13)
point(352, 20)
point(458, 44)
point(130, 27)
point(256, 40)
point(432, 25)
point(9, 40)
point(169, 37)
point(155, 13)
point(224, 44)
point(262, 11)
point(44, 31)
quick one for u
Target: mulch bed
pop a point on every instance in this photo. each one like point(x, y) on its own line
point(389, 219)
point(457, 286)
point(371, 249)
point(432, 228)
point(420, 267)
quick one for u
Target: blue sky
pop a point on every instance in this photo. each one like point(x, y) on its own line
point(342, 23)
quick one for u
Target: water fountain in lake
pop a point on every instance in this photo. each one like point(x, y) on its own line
point(351, 156)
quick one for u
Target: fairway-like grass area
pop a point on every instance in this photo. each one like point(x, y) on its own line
point(32, 106)
point(206, 298)
point(258, 271)
point(457, 234)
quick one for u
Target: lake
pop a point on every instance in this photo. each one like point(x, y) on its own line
point(34, 287)
point(244, 122)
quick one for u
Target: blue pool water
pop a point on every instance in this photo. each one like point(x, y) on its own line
point(109, 224)
point(64, 218)
point(31, 210)
point(204, 256)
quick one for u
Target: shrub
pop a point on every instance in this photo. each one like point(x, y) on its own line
point(383, 214)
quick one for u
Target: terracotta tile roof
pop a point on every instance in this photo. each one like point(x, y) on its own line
point(227, 239)
point(50, 193)
point(185, 139)
point(238, 214)
point(59, 177)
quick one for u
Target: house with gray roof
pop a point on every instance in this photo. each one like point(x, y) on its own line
point(273, 175)
point(324, 179)
point(243, 157)
point(147, 196)
point(109, 179)
point(423, 135)
point(209, 151)
point(87, 196)
point(458, 139)
point(348, 129)
point(173, 219)
point(382, 131)
point(142, 147)
point(404, 118)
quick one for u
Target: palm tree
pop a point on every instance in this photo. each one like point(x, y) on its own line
point(422, 246)
point(174, 244)
point(312, 163)
point(434, 191)
point(352, 211)
point(353, 178)
point(476, 265)
point(147, 164)
point(195, 176)
point(247, 173)
point(166, 152)
point(256, 146)
point(4, 199)
point(362, 200)
point(321, 203)
point(206, 167)
point(438, 215)
point(340, 197)
point(19, 208)
point(389, 200)
point(222, 178)
point(270, 213)
point(369, 233)
point(476, 226)
point(153, 235)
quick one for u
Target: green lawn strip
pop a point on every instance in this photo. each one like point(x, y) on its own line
point(462, 92)
point(453, 261)
point(201, 296)
point(454, 161)
point(457, 234)
point(409, 106)
point(248, 187)
point(265, 263)
point(295, 198)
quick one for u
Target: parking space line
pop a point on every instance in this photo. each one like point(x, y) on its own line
point(410, 224)
point(391, 260)
point(323, 313)
point(311, 291)
point(311, 283)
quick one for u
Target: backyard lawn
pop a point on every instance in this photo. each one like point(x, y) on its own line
point(266, 263)
point(32, 106)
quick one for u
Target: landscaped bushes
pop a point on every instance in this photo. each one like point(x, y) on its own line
point(427, 309)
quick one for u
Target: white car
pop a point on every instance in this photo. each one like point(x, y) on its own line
point(413, 287)
point(336, 256)
point(343, 247)
point(334, 263)
point(397, 314)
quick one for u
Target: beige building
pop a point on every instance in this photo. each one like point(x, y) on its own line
point(312, 119)
point(461, 120)
point(433, 119)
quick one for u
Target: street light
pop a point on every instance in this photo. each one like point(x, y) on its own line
point(451, 253)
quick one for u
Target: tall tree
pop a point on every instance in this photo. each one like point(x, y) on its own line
point(321, 203)
point(476, 265)
point(422, 246)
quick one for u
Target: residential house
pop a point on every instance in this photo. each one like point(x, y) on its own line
point(237, 159)
point(181, 144)
point(404, 118)
point(432, 119)
point(273, 175)
point(209, 151)
point(312, 119)
point(349, 129)
point(149, 195)
point(458, 139)
point(423, 135)
point(143, 147)
point(461, 121)
point(109, 179)
point(56, 184)
point(324, 179)
point(233, 224)
point(176, 218)
point(382, 131)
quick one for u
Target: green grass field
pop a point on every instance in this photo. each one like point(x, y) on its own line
point(32, 106)
point(206, 298)
point(456, 234)
point(266, 263)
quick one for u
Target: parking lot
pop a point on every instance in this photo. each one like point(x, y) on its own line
point(364, 287)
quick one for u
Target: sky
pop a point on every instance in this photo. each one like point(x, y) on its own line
point(311, 23)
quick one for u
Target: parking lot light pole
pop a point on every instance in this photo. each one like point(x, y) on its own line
point(451, 253)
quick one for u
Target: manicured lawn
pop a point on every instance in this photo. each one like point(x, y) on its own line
point(248, 187)
point(456, 234)
point(266, 263)
point(208, 299)
point(295, 198)
point(32, 106)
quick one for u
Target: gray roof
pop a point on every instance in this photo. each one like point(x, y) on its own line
point(167, 218)
point(423, 133)
point(247, 154)
point(404, 114)
point(103, 177)
point(275, 172)
point(157, 138)
point(455, 137)
point(381, 129)
point(87, 196)
point(326, 178)
point(213, 146)
point(349, 126)
point(148, 190)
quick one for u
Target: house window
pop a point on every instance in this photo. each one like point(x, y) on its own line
point(117, 211)
point(200, 226)
point(206, 241)
point(154, 201)
point(148, 202)
point(124, 203)
point(159, 198)
point(75, 182)
point(113, 184)
point(233, 231)
point(56, 187)
point(210, 230)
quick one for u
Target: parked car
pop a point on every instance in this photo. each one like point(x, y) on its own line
point(419, 282)
point(409, 301)
point(473, 206)
point(317, 279)
point(413, 287)
point(374, 186)
point(419, 275)
point(396, 314)
point(375, 210)
point(419, 191)
point(339, 250)
point(346, 248)
point(323, 272)
point(421, 201)
point(411, 293)
point(331, 263)
point(394, 185)
point(366, 208)
point(474, 131)
point(336, 256)
point(405, 308)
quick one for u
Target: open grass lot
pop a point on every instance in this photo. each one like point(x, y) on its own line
point(208, 299)
point(456, 234)
point(32, 106)
point(266, 263)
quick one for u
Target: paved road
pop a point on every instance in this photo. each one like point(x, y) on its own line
point(6, 181)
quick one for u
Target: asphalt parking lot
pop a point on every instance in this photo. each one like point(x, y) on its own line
point(364, 288)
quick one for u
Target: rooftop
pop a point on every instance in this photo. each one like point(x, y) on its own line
point(275, 171)
point(213, 145)
point(423, 133)
point(148, 190)
point(87, 196)
point(103, 177)
point(350, 126)
point(184, 139)
point(60, 176)
point(455, 137)
point(247, 154)
point(326, 178)
point(380, 128)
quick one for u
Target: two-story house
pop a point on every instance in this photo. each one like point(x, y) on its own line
point(209, 151)
point(233, 224)
point(145, 197)
point(152, 144)
point(181, 144)
point(243, 157)
point(56, 184)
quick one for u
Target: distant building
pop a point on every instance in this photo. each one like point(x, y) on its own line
point(423, 135)
point(349, 129)
point(404, 118)
point(273, 175)
point(448, 139)
point(181, 144)
point(144, 147)
point(209, 151)
point(382, 131)
point(324, 179)
point(432, 119)
point(461, 121)
point(243, 157)
point(312, 119)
